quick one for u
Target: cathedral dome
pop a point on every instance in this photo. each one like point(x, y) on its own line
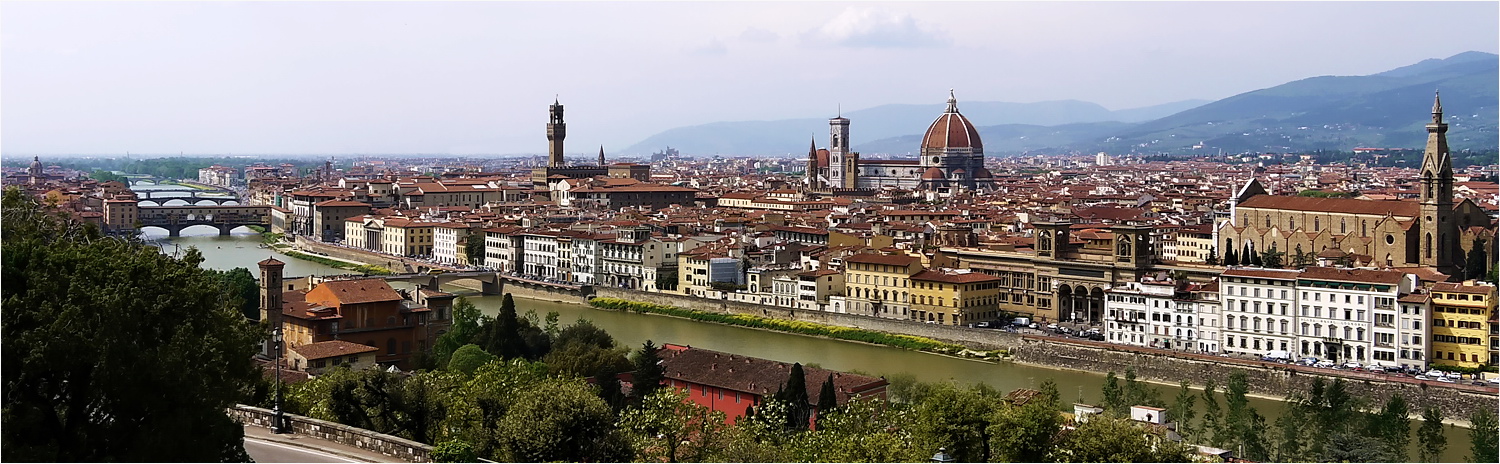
point(952, 130)
point(932, 173)
point(983, 173)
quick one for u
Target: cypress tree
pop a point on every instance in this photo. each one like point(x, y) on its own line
point(799, 411)
point(649, 372)
point(1231, 258)
point(827, 398)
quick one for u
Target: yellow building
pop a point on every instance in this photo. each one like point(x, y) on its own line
point(954, 298)
point(1461, 315)
point(404, 237)
point(880, 285)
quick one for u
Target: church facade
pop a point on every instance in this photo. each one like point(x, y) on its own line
point(1433, 231)
point(951, 161)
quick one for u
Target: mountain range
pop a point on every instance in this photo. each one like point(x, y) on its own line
point(1386, 109)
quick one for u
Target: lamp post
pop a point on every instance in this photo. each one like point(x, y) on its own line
point(279, 426)
point(942, 456)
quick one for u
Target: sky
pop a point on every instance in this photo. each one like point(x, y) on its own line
point(476, 77)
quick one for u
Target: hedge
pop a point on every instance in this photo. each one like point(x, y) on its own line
point(910, 342)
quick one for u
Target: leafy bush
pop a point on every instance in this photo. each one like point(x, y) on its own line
point(454, 451)
point(910, 342)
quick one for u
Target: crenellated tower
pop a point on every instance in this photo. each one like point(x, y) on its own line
point(1438, 243)
point(557, 130)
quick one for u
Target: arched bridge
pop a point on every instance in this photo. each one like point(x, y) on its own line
point(225, 218)
point(490, 281)
point(193, 196)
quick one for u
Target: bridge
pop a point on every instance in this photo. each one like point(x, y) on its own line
point(491, 283)
point(225, 218)
point(193, 196)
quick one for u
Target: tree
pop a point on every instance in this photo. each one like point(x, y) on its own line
point(1430, 439)
point(1183, 412)
point(828, 399)
point(1272, 258)
point(1354, 447)
point(667, 427)
point(1392, 425)
point(1113, 395)
point(956, 418)
point(1483, 446)
point(1112, 439)
point(241, 288)
point(1212, 415)
point(505, 337)
point(454, 451)
point(1477, 262)
point(560, 420)
point(649, 372)
point(1255, 258)
point(474, 249)
point(468, 358)
point(465, 331)
point(1245, 425)
point(1213, 256)
point(583, 349)
point(1026, 433)
point(114, 351)
point(1137, 393)
point(794, 394)
point(607, 378)
point(1291, 429)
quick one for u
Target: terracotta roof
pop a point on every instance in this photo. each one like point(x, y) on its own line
point(270, 262)
point(1460, 288)
point(1398, 208)
point(952, 130)
point(331, 348)
point(964, 278)
point(361, 291)
point(341, 203)
point(757, 376)
point(872, 258)
point(1352, 275)
point(1266, 273)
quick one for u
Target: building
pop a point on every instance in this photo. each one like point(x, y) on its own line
point(732, 384)
point(1259, 310)
point(1431, 232)
point(217, 175)
point(1130, 308)
point(952, 160)
point(954, 297)
point(1415, 330)
point(880, 285)
point(448, 243)
point(315, 358)
point(405, 237)
point(329, 215)
point(557, 168)
point(1350, 314)
point(1203, 302)
point(1461, 318)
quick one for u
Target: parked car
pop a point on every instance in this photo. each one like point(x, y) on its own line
point(1352, 365)
point(1444, 379)
point(983, 325)
point(1422, 377)
point(1308, 361)
point(1096, 336)
point(1325, 364)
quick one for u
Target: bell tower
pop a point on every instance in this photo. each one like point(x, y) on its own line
point(270, 296)
point(1438, 242)
point(839, 173)
point(1051, 239)
point(557, 130)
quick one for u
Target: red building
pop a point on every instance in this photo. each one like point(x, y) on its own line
point(732, 383)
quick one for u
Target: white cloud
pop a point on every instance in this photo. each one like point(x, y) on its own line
point(876, 28)
point(758, 35)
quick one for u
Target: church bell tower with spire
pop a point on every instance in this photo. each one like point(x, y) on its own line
point(1438, 243)
point(557, 130)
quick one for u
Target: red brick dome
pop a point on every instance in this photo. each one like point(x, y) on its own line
point(932, 173)
point(952, 130)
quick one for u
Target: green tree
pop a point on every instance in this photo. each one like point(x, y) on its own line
point(1026, 433)
point(113, 351)
point(468, 358)
point(649, 372)
point(1290, 430)
point(667, 427)
point(828, 399)
point(1112, 439)
point(1212, 415)
point(1430, 439)
point(1137, 393)
point(583, 349)
point(1346, 446)
point(1392, 426)
point(242, 290)
point(955, 418)
point(1113, 395)
point(794, 394)
point(474, 249)
point(454, 451)
point(862, 430)
point(560, 420)
point(465, 331)
point(1477, 261)
point(505, 337)
point(1231, 258)
point(1213, 256)
point(607, 378)
point(1245, 425)
point(1483, 445)
point(1272, 258)
point(1183, 411)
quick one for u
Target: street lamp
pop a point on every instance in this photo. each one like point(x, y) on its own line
point(279, 424)
point(943, 456)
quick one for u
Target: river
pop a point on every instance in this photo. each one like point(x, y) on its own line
point(241, 250)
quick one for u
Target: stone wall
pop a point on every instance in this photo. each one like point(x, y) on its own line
point(1272, 379)
point(367, 257)
point(389, 445)
point(974, 338)
point(521, 289)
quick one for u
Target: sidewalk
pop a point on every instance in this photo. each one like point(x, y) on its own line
point(315, 444)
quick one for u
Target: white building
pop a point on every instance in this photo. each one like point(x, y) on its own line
point(1414, 331)
point(541, 254)
point(445, 237)
point(502, 247)
point(586, 256)
point(1209, 309)
point(1129, 311)
point(1338, 309)
point(1258, 310)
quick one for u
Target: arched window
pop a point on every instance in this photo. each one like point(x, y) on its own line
point(1343, 228)
point(1317, 224)
point(1291, 223)
point(390, 346)
point(1268, 221)
point(1427, 247)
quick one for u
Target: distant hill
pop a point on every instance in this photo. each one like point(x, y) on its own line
point(792, 135)
point(1386, 109)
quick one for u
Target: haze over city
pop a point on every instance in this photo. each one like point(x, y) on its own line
point(475, 78)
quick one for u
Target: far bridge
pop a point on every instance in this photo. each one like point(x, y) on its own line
point(490, 282)
point(225, 218)
point(193, 196)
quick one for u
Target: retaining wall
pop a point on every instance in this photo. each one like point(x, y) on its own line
point(367, 257)
point(389, 445)
point(1271, 379)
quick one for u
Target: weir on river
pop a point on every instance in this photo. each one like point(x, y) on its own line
point(241, 249)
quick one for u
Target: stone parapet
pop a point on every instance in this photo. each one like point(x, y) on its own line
point(388, 445)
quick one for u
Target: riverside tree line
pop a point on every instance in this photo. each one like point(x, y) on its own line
point(113, 351)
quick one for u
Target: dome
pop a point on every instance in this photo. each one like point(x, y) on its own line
point(822, 155)
point(952, 130)
point(983, 173)
point(932, 173)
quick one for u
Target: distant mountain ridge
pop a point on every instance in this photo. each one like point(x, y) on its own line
point(1386, 109)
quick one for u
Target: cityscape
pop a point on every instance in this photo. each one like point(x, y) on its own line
point(1321, 288)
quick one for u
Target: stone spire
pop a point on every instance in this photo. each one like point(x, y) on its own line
point(601, 155)
point(952, 103)
point(1437, 108)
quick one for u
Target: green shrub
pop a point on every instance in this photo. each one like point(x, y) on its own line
point(454, 451)
point(910, 342)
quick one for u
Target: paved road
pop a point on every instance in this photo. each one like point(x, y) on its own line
point(266, 451)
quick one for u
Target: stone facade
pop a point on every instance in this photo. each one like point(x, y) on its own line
point(390, 445)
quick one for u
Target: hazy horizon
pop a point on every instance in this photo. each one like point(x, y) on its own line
point(469, 78)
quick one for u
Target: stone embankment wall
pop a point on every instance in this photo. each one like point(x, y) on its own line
point(521, 289)
point(1278, 380)
point(985, 339)
point(389, 445)
point(367, 257)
